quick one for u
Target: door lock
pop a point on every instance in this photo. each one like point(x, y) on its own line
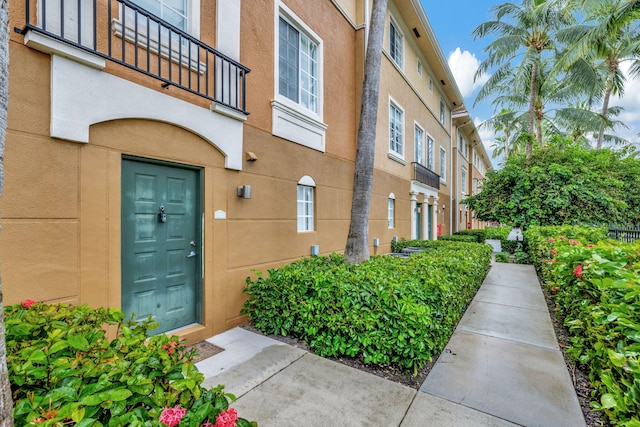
point(193, 244)
point(162, 215)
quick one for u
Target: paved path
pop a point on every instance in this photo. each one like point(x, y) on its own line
point(502, 367)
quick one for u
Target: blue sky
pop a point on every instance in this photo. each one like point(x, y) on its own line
point(453, 25)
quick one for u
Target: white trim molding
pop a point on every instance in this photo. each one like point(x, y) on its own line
point(292, 125)
point(83, 96)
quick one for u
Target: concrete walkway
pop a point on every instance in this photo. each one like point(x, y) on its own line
point(502, 367)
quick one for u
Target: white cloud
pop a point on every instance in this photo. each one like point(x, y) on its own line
point(463, 65)
point(488, 139)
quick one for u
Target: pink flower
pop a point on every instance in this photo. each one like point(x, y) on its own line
point(227, 418)
point(573, 242)
point(552, 240)
point(578, 271)
point(28, 303)
point(170, 347)
point(563, 238)
point(554, 252)
point(172, 416)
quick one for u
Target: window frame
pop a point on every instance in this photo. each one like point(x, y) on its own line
point(391, 211)
point(463, 180)
point(398, 57)
point(443, 113)
point(420, 158)
point(419, 70)
point(443, 164)
point(431, 144)
point(305, 205)
point(392, 131)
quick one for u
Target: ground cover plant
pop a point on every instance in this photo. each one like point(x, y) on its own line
point(388, 310)
point(64, 370)
point(596, 288)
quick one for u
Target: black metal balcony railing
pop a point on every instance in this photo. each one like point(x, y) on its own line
point(143, 42)
point(425, 176)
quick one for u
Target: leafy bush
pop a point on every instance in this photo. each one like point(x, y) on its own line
point(502, 257)
point(64, 370)
point(460, 238)
point(497, 233)
point(388, 310)
point(521, 257)
point(596, 287)
point(479, 234)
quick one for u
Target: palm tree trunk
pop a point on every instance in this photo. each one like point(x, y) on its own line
point(533, 93)
point(605, 107)
point(357, 248)
point(6, 403)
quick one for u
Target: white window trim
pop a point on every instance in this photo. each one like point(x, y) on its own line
point(394, 154)
point(443, 177)
point(430, 85)
point(391, 211)
point(394, 22)
point(291, 120)
point(463, 180)
point(419, 70)
point(422, 161)
point(306, 181)
point(443, 112)
point(433, 146)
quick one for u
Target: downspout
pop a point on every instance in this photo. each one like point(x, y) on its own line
point(367, 18)
point(454, 175)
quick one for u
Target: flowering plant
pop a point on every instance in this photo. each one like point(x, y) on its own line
point(64, 370)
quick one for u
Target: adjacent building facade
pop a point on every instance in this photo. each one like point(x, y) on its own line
point(159, 152)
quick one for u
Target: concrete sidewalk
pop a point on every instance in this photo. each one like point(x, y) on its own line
point(501, 367)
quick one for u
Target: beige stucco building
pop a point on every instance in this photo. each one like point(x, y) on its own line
point(157, 157)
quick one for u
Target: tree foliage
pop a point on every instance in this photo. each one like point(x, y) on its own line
point(562, 183)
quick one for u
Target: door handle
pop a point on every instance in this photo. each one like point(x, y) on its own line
point(191, 254)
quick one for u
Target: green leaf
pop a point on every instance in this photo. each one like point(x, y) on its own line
point(78, 342)
point(57, 346)
point(608, 401)
point(38, 356)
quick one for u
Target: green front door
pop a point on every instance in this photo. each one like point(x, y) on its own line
point(161, 244)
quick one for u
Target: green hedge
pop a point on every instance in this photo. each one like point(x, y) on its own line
point(388, 310)
point(596, 286)
point(460, 238)
point(64, 370)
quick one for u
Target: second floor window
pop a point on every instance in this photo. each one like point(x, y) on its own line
point(175, 12)
point(463, 180)
point(419, 145)
point(443, 164)
point(298, 67)
point(395, 44)
point(430, 155)
point(443, 113)
point(396, 130)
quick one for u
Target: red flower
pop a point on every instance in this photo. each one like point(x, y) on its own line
point(573, 242)
point(554, 252)
point(170, 347)
point(172, 416)
point(563, 238)
point(578, 271)
point(28, 303)
point(552, 240)
point(227, 418)
point(590, 245)
point(554, 289)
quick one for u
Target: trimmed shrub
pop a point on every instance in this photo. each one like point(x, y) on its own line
point(497, 233)
point(596, 286)
point(502, 257)
point(64, 370)
point(479, 234)
point(389, 310)
point(460, 238)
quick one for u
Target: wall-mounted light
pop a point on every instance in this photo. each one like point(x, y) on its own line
point(315, 250)
point(376, 242)
point(251, 156)
point(244, 191)
point(443, 207)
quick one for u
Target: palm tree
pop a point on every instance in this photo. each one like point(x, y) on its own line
point(6, 404)
point(526, 38)
point(510, 123)
point(595, 49)
point(357, 248)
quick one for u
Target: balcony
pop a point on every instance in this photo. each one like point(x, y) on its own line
point(124, 33)
point(425, 176)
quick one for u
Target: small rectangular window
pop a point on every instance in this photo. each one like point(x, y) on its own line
point(443, 164)
point(396, 130)
point(305, 208)
point(175, 12)
point(395, 44)
point(430, 85)
point(442, 113)
point(391, 208)
point(419, 68)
